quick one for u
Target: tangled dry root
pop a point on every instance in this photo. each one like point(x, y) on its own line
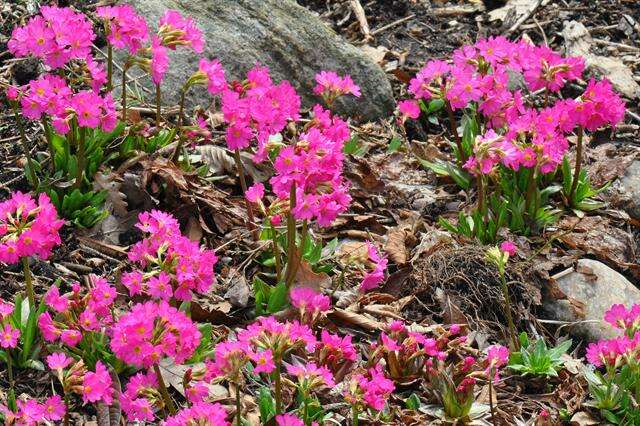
point(460, 281)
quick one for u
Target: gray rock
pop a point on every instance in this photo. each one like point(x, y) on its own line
point(590, 291)
point(289, 39)
point(629, 188)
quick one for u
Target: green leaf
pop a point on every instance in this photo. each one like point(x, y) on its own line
point(277, 298)
point(394, 145)
point(353, 147)
point(413, 402)
point(435, 105)
point(266, 404)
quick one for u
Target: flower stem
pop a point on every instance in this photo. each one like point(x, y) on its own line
point(238, 406)
point(491, 399)
point(47, 135)
point(158, 105)
point(163, 391)
point(10, 369)
point(298, 252)
point(278, 380)
point(251, 226)
point(276, 253)
point(531, 197)
point(109, 67)
point(25, 147)
point(462, 156)
point(507, 303)
point(81, 158)
point(291, 232)
point(482, 208)
point(578, 166)
point(305, 415)
point(28, 279)
point(176, 152)
point(124, 92)
point(354, 415)
point(66, 411)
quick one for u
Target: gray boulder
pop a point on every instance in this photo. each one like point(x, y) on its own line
point(289, 39)
point(629, 189)
point(585, 294)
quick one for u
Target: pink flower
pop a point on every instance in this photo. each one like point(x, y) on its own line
point(159, 60)
point(96, 386)
point(26, 228)
point(6, 309)
point(290, 420)
point(56, 36)
point(331, 85)
point(9, 336)
point(308, 301)
point(58, 361)
point(55, 301)
point(239, 136)
point(134, 400)
point(204, 413)
point(263, 360)
point(509, 247)
point(126, 29)
point(54, 408)
point(374, 277)
point(176, 30)
point(216, 82)
point(371, 389)
point(311, 376)
point(409, 109)
point(497, 357)
point(255, 193)
point(150, 331)
point(333, 350)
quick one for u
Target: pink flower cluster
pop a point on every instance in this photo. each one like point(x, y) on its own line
point(267, 333)
point(256, 109)
point(331, 86)
point(28, 228)
point(232, 356)
point(291, 420)
point(623, 349)
point(518, 135)
point(309, 303)
point(31, 412)
point(8, 333)
point(310, 376)
point(176, 30)
point(50, 96)
point(408, 353)
point(151, 331)
point(75, 313)
point(374, 277)
point(369, 389)
point(336, 352)
point(139, 397)
point(93, 386)
point(57, 36)
point(497, 357)
point(126, 29)
point(173, 266)
point(200, 413)
point(311, 171)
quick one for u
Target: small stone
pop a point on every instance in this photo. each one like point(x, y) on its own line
point(585, 294)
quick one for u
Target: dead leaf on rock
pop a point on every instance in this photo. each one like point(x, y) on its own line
point(582, 418)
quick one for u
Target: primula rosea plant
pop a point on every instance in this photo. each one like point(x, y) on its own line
point(513, 139)
point(615, 383)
